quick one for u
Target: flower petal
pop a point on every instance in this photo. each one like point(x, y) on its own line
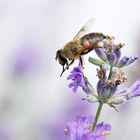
point(134, 90)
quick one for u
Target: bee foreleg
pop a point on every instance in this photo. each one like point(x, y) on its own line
point(67, 67)
point(81, 61)
point(62, 71)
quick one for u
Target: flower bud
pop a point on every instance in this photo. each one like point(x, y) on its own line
point(117, 53)
point(91, 98)
point(123, 62)
point(134, 90)
point(117, 100)
point(111, 58)
point(127, 61)
point(95, 61)
point(106, 90)
point(132, 59)
point(101, 53)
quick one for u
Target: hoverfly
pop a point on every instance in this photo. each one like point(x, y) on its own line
point(82, 44)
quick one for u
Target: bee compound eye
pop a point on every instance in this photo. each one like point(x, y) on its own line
point(57, 54)
point(62, 60)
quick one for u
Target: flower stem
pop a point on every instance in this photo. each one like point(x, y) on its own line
point(110, 73)
point(97, 116)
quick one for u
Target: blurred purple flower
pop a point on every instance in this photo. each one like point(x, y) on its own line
point(4, 132)
point(79, 129)
point(56, 131)
point(27, 59)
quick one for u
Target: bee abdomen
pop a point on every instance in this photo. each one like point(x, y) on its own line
point(95, 38)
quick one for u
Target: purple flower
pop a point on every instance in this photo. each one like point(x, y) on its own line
point(77, 77)
point(101, 52)
point(113, 56)
point(126, 94)
point(132, 59)
point(79, 80)
point(117, 52)
point(125, 61)
point(134, 90)
point(106, 90)
point(27, 59)
point(80, 129)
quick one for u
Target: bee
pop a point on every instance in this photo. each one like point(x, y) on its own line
point(82, 44)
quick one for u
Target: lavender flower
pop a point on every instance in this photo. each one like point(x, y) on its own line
point(106, 90)
point(125, 61)
point(77, 77)
point(27, 59)
point(126, 94)
point(110, 78)
point(112, 57)
point(134, 90)
point(101, 52)
point(117, 52)
point(79, 129)
point(79, 80)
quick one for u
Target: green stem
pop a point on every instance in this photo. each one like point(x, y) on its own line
point(110, 73)
point(97, 116)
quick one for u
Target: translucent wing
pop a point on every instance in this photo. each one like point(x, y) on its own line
point(84, 30)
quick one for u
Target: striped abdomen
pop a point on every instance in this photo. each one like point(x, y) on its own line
point(92, 40)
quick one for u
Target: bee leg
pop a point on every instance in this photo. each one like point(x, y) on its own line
point(64, 68)
point(67, 67)
point(62, 71)
point(81, 61)
point(72, 61)
point(86, 52)
point(69, 64)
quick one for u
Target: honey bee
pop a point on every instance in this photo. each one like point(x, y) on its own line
point(82, 43)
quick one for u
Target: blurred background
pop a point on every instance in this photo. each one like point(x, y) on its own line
point(35, 103)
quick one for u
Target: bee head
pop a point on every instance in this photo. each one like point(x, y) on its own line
point(61, 57)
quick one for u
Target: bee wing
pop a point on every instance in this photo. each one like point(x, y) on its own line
point(84, 30)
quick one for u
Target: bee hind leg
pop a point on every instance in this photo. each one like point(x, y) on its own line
point(87, 51)
point(72, 61)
